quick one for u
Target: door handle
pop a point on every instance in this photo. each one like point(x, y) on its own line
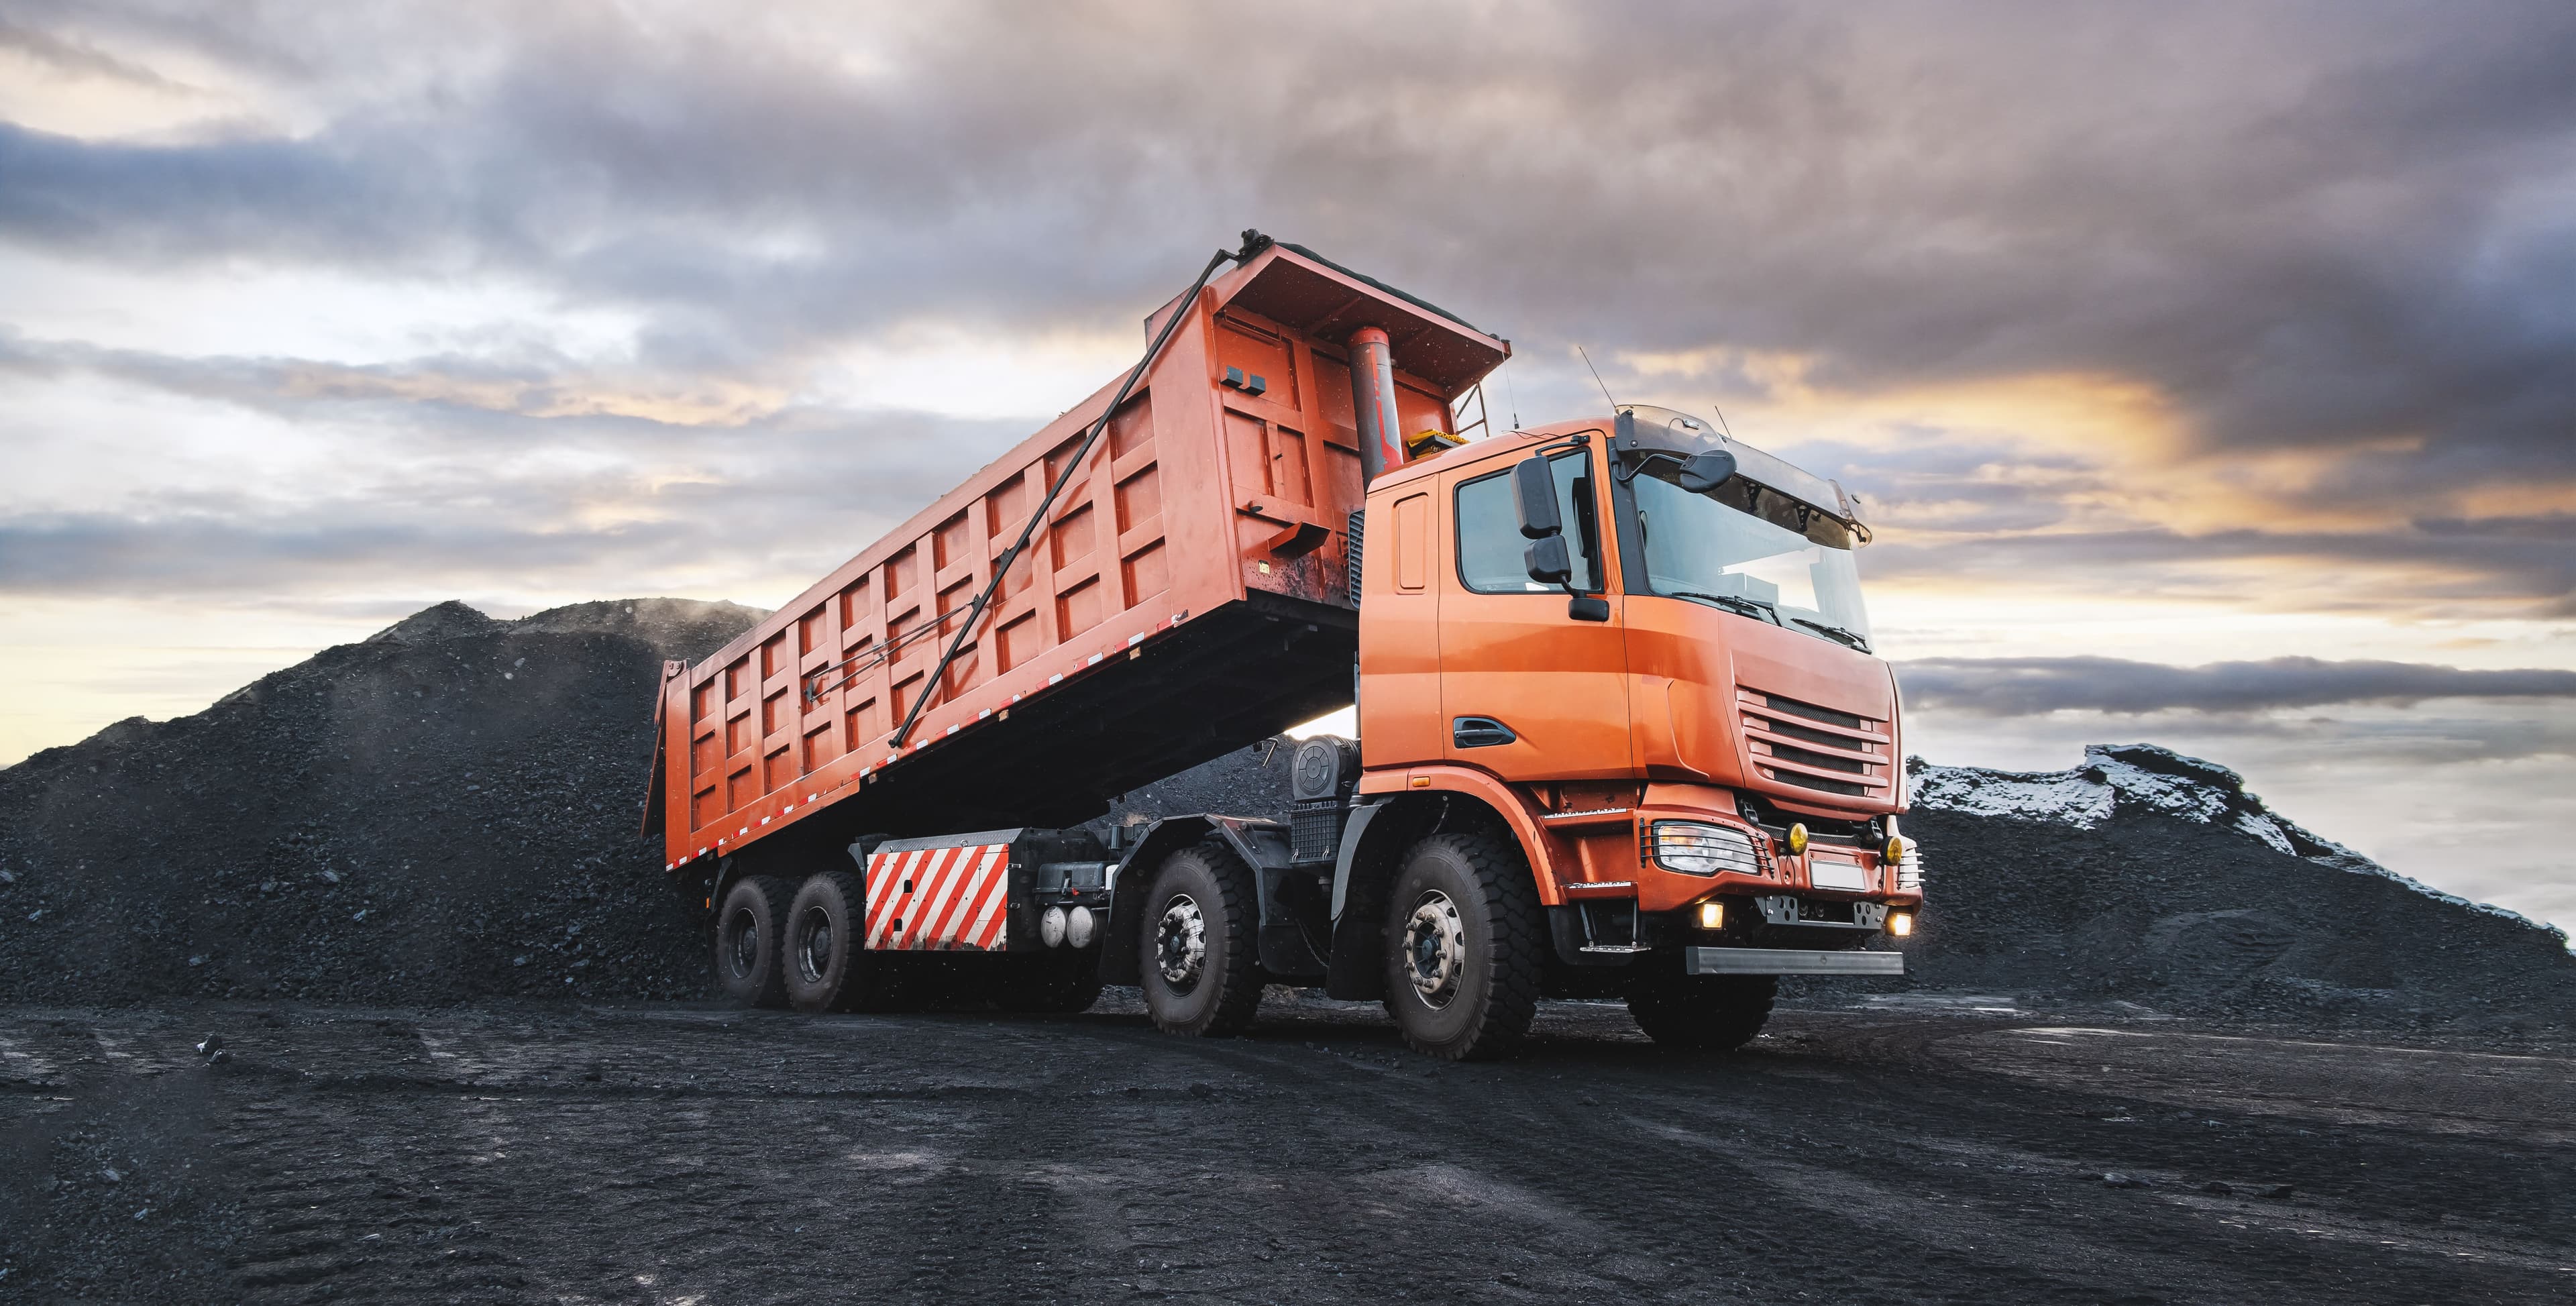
point(1480, 732)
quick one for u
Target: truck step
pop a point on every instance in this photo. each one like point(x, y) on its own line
point(1788, 961)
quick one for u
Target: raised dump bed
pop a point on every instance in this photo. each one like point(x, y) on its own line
point(1187, 594)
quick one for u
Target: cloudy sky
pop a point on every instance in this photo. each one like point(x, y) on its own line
point(2211, 370)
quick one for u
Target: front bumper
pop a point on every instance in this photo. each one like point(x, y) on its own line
point(1789, 961)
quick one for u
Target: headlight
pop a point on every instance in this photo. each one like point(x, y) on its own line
point(1798, 839)
point(1698, 848)
point(1909, 868)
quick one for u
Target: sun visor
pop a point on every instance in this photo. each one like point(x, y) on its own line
point(1297, 289)
point(1681, 433)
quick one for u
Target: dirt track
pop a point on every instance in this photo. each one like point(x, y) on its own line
point(669, 1154)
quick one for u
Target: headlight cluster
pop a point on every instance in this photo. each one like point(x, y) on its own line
point(1697, 848)
point(1909, 867)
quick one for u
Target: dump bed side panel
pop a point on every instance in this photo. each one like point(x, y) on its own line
point(1185, 594)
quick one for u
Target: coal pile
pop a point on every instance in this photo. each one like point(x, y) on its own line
point(2155, 879)
point(448, 810)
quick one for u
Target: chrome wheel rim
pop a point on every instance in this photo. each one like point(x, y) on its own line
point(1435, 948)
point(1180, 943)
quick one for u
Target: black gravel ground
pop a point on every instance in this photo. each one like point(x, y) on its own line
point(466, 1056)
point(448, 813)
point(668, 1153)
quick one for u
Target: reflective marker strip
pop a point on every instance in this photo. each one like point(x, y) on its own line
point(987, 932)
point(980, 893)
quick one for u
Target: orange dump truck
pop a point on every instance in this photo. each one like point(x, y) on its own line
point(1621, 731)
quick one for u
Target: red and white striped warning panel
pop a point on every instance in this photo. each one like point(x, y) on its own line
point(951, 899)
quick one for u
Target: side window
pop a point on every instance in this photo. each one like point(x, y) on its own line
point(1489, 531)
point(1412, 542)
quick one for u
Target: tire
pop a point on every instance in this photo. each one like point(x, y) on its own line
point(1702, 1013)
point(1464, 938)
point(1200, 972)
point(1061, 980)
point(825, 962)
point(749, 930)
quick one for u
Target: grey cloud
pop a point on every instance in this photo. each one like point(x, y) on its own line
point(2313, 225)
point(2526, 562)
point(2008, 687)
point(776, 501)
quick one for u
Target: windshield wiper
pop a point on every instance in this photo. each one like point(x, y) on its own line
point(1732, 603)
point(1835, 633)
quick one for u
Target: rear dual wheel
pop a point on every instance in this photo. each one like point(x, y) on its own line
point(750, 932)
point(1201, 972)
point(827, 963)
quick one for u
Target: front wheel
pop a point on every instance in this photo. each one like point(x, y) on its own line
point(1463, 939)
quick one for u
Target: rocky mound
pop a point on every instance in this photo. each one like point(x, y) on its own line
point(446, 810)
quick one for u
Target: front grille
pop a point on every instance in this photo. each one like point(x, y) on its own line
point(1788, 730)
point(1315, 830)
point(1826, 750)
point(1811, 757)
point(1820, 784)
point(1814, 713)
point(1820, 829)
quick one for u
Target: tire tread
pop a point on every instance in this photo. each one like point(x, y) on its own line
point(1517, 928)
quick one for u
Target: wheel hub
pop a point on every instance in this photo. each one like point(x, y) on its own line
point(1435, 948)
point(815, 958)
point(1180, 942)
point(746, 943)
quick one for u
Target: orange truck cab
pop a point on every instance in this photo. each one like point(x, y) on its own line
point(1631, 655)
point(1621, 729)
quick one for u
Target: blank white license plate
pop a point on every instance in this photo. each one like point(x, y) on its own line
point(1838, 875)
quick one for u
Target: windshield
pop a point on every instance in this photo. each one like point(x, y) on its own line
point(1744, 545)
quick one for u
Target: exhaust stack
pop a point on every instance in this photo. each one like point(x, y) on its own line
point(1373, 402)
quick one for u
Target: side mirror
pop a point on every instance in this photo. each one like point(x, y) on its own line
point(1706, 470)
point(1547, 560)
point(1534, 497)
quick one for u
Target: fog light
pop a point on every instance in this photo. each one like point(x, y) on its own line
point(1798, 839)
point(1712, 916)
point(1079, 925)
point(1051, 927)
point(1895, 849)
point(1900, 923)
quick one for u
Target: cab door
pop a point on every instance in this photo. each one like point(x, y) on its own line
point(1527, 691)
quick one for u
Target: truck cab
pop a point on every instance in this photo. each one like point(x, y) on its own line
point(1631, 654)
